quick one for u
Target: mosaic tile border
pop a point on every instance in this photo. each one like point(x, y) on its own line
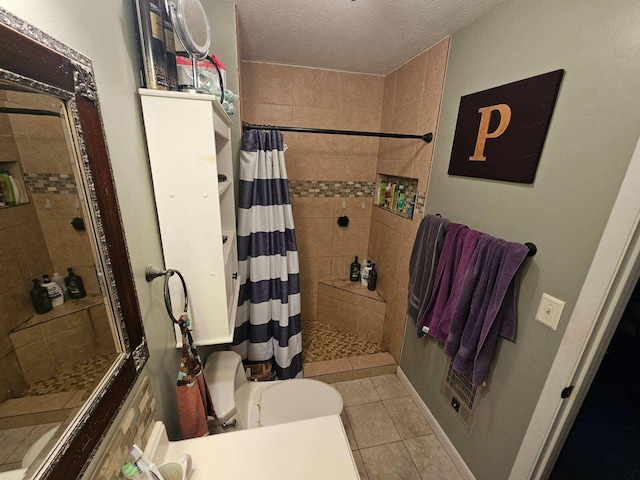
point(421, 200)
point(331, 188)
point(55, 183)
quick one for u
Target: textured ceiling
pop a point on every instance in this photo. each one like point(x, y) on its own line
point(371, 36)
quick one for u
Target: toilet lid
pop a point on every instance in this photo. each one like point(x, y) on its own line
point(299, 399)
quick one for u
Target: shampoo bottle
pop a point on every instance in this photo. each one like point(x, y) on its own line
point(59, 279)
point(74, 285)
point(55, 292)
point(354, 276)
point(381, 190)
point(40, 298)
point(373, 278)
point(365, 274)
point(7, 188)
point(402, 198)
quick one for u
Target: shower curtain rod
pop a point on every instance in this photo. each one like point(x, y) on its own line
point(427, 137)
point(28, 111)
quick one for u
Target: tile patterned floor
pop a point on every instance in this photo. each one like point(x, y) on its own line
point(84, 376)
point(322, 342)
point(389, 437)
point(69, 389)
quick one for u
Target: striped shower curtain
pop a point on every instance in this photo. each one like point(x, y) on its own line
point(268, 322)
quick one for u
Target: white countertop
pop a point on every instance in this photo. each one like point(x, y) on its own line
point(310, 449)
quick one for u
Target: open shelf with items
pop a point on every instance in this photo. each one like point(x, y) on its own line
point(396, 194)
point(188, 137)
point(18, 193)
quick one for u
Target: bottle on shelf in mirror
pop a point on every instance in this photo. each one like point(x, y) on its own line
point(75, 285)
point(40, 298)
point(373, 278)
point(12, 191)
point(55, 292)
point(59, 280)
point(354, 274)
point(364, 279)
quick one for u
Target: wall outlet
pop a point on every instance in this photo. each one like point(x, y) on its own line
point(549, 311)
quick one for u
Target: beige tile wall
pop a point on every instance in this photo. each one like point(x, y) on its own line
point(44, 147)
point(316, 98)
point(23, 255)
point(35, 240)
point(64, 342)
point(412, 95)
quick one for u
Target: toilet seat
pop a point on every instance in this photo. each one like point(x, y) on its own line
point(292, 400)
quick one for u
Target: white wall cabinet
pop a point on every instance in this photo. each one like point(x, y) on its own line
point(188, 138)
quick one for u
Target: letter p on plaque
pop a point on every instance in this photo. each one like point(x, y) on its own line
point(483, 131)
point(500, 132)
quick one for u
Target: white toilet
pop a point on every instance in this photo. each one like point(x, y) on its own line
point(259, 404)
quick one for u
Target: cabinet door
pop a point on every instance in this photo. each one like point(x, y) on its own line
point(181, 143)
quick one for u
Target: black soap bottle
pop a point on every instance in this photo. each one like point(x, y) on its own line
point(40, 298)
point(354, 276)
point(74, 285)
point(373, 278)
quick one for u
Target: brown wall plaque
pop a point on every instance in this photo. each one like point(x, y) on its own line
point(501, 131)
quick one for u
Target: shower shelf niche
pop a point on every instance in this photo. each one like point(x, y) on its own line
point(388, 198)
point(13, 167)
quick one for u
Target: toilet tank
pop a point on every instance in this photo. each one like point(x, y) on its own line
point(224, 374)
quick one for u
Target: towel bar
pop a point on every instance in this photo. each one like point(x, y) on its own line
point(531, 246)
point(151, 273)
point(532, 249)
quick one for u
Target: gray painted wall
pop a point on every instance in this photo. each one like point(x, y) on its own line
point(591, 138)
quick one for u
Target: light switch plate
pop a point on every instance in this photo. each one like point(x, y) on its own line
point(549, 311)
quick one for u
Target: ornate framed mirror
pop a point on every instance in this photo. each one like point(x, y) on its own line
point(58, 209)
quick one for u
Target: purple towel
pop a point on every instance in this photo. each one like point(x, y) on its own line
point(462, 306)
point(458, 248)
point(486, 306)
point(422, 266)
point(451, 266)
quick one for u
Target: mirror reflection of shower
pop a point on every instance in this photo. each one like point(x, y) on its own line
point(49, 362)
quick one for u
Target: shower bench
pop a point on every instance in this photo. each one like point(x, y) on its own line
point(350, 307)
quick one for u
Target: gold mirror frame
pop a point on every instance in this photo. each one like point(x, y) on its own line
point(33, 60)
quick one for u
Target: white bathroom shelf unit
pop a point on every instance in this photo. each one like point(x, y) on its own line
point(188, 142)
